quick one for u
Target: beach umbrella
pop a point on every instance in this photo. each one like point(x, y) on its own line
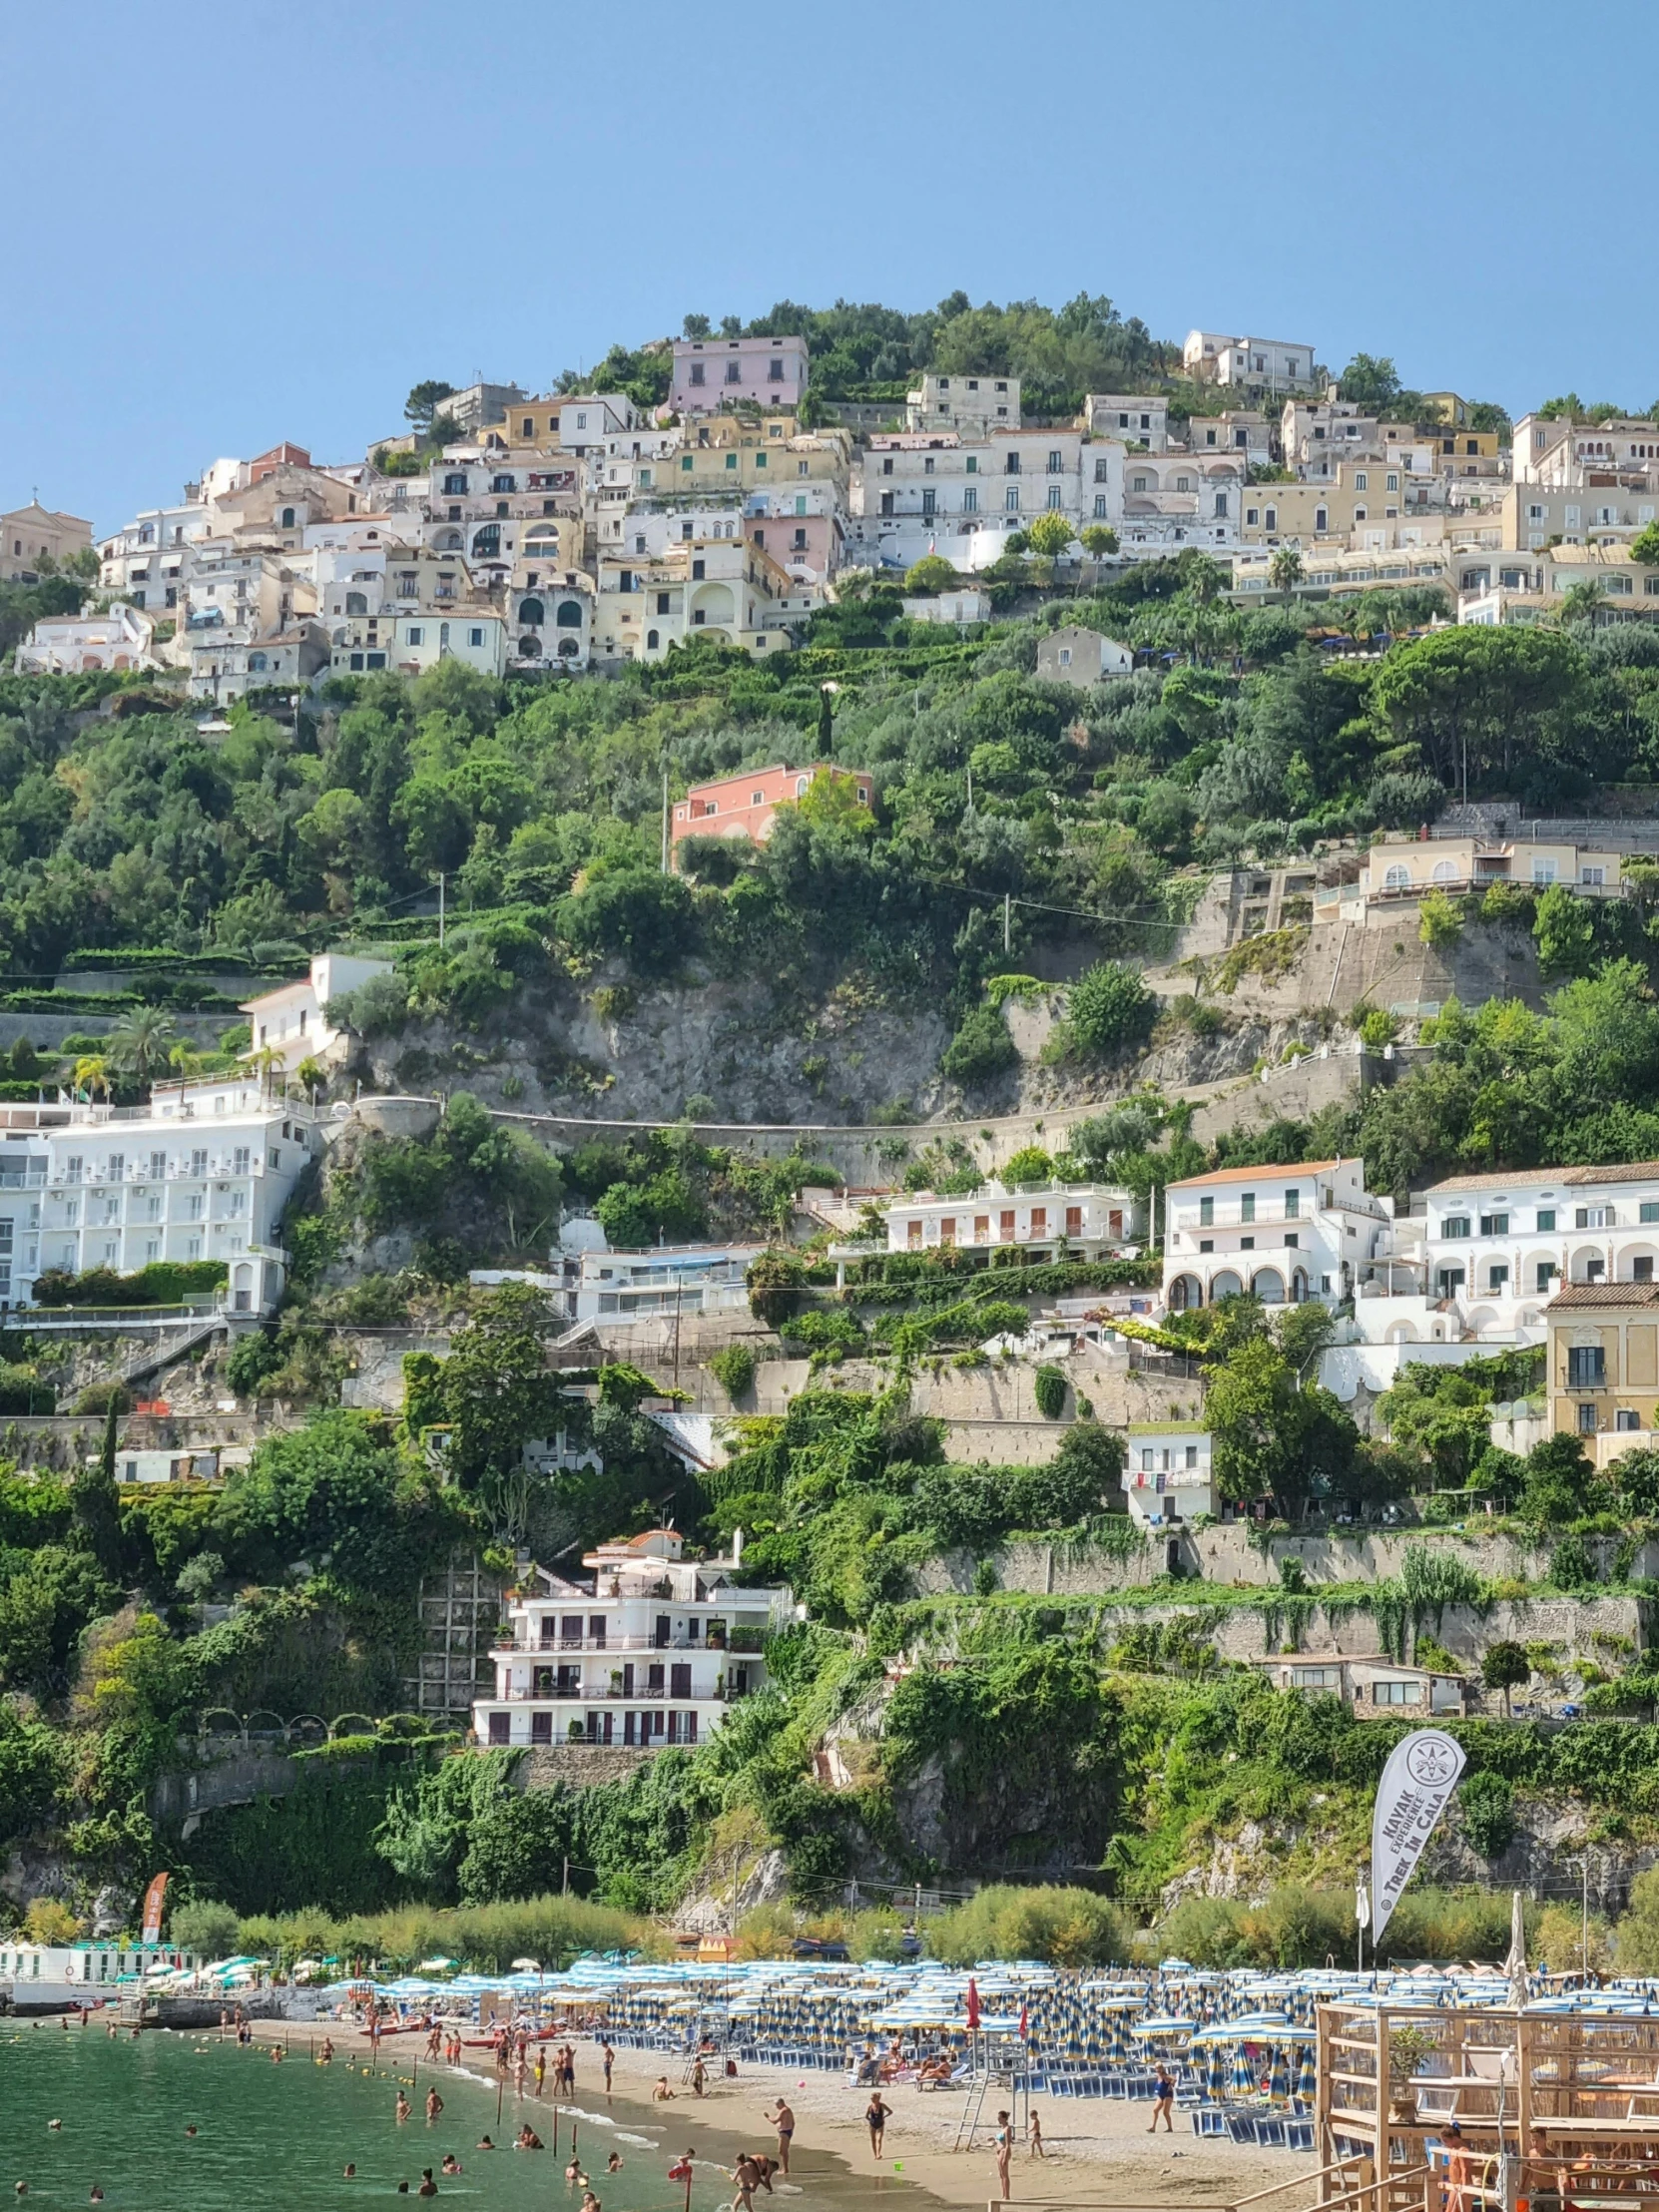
point(1244, 2074)
point(1215, 2076)
point(1279, 2073)
point(1307, 2079)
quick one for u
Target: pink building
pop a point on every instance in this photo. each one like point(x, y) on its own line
point(709, 373)
point(807, 545)
point(745, 806)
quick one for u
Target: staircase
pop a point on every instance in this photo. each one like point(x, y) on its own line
point(166, 1350)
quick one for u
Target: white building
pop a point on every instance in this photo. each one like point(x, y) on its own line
point(652, 1654)
point(1097, 1218)
point(292, 1021)
point(1378, 1687)
point(73, 645)
point(1167, 1472)
point(1279, 364)
point(1077, 656)
point(202, 1172)
point(1497, 1247)
point(648, 1286)
point(972, 403)
point(1282, 1234)
point(68, 1973)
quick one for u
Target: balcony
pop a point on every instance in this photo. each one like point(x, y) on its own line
point(609, 1696)
point(745, 1637)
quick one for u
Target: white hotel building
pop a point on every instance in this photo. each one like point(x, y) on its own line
point(202, 1172)
point(1499, 1245)
point(1282, 1234)
point(1095, 1219)
point(652, 1655)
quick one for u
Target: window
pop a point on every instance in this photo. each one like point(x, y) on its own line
point(1014, 464)
point(1547, 1219)
point(1586, 1366)
point(1593, 1217)
point(1054, 462)
point(1396, 1693)
point(970, 500)
point(697, 376)
point(1100, 473)
point(775, 373)
point(972, 464)
point(1206, 1212)
point(1494, 1225)
point(1270, 519)
point(1586, 1420)
point(1456, 1225)
point(1319, 518)
point(1547, 1271)
point(651, 641)
point(1246, 1205)
point(1627, 1420)
point(1362, 482)
point(731, 460)
point(1498, 1279)
point(1053, 497)
point(1292, 1202)
point(415, 635)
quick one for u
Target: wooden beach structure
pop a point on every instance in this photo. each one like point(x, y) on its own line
point(1550, 2107)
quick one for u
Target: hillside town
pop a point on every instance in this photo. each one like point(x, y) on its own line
point(522, 533)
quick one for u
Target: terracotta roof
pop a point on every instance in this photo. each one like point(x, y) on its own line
point(1243, 1175)
point(1632, 1171)
point(1605, 1294)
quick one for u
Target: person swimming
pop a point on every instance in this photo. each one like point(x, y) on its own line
point(484, 2144)
point(452, 2164)
point(191, 2129)
point(428, 2187)
point(613, 2164)
point(350, 2170)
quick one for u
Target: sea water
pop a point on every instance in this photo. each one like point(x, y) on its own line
point(280, 2136)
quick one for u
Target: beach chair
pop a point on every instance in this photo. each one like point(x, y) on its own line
point(1240, 2126)
point(1299, 2134)
point(1270, 2132)
point(1209, 2120)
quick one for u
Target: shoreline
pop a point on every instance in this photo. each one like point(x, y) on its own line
point(1098, 2149)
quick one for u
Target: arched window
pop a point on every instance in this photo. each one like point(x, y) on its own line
point(1268, 1285)
point(1186, 1295)
point(1225, 1285)
point(1397, 879)
point(356, 603)
point(529, 647)
point(452, 542)
point(568, 649)
point(288, 518)
point(486, 543)
point(1446, 871)
point(652, 637)
point(569, 616)
point(255, 663)
point(532, 612)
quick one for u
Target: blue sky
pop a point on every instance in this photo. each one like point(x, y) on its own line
point(230, 224)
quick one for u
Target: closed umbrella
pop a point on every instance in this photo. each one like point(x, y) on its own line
point(1244, 2074)
point(1307, 2077)
point(1279, 2074)
point(1215, 2078)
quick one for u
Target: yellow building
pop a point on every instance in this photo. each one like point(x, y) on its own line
point(1603, 1372)
point(1359, 492)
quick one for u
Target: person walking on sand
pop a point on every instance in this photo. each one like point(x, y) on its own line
point(699, 2079)
point(1003, 2140)
point(1034, 2136)
point(610, 2062)
point(1163, 2101)
point(783, 2120)
point(876, 2115)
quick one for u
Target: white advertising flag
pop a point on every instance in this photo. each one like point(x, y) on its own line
point(1421, 1776)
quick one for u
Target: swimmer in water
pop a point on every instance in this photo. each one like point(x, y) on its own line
point(96, 2195)
point(404, 2107)
point(428, 2187)
point(484, 2144)
point(190, 2131)
point(351, 2170)
point(613, 2164)
point(452, 2164)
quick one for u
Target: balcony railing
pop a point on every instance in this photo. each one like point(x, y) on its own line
point(725, 1695)
point(525, 1646)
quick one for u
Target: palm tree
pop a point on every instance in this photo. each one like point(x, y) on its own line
point(140, 1046)
point(1285, 570)
point(1582, 601)
point(91, 1075)
point(184, 1059)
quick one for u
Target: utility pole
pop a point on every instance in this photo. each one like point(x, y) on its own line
point(1007, 918)
point(440, 909)
point(665, 821)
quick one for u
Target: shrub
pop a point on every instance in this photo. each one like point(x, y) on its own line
point(1488, 1804)
point(733, 1369)
point(1110, 1008)
point(981, 1048)
point(1029, 1165)
point(250, 1359)
point(1073, 1928)
point(1049, 1386)
point(204, 1925)
point(775, 1281)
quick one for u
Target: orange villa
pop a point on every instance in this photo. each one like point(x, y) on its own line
point(745, 806)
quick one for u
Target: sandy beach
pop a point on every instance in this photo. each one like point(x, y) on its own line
point(1099, 2150)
